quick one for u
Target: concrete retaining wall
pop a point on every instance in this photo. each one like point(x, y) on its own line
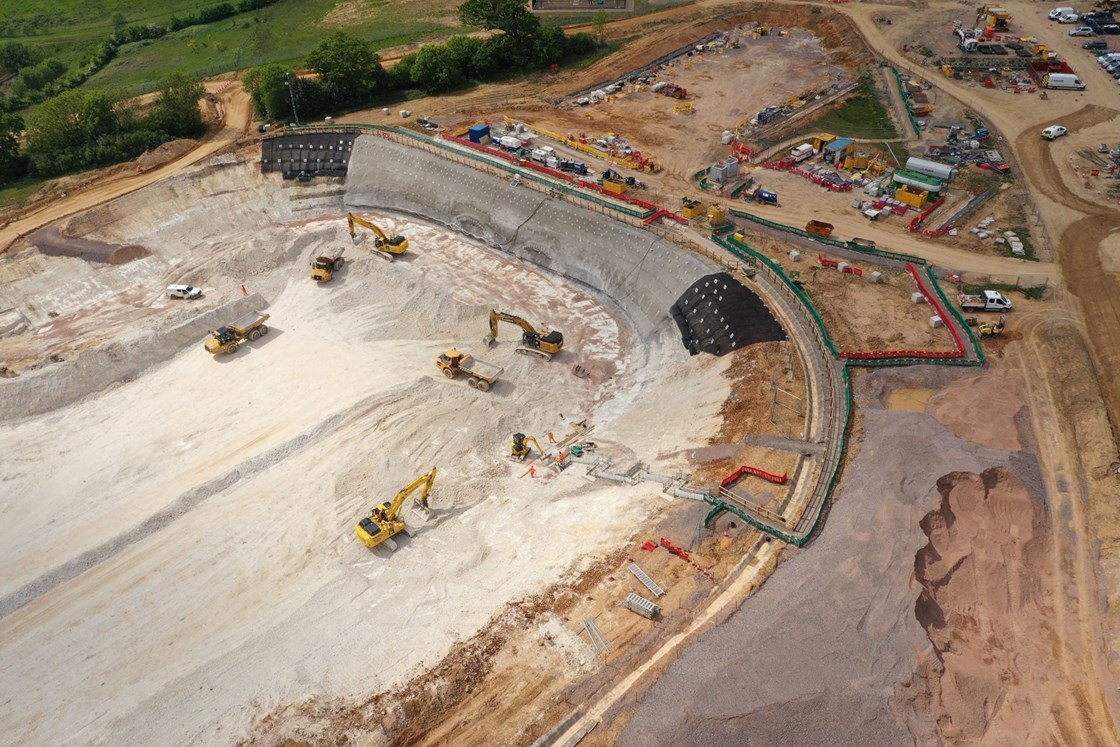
point(640, 273)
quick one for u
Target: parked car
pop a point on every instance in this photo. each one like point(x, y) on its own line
point(184, 291)
point(1095, 44)
point(1057, 13)
point(1110, 28)
point(1069, 18)
point(1082, 31)
point(1053, 131)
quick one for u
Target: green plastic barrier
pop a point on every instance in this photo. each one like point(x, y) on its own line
point(906, 100)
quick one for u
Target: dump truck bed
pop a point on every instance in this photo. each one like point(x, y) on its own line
point(480, 368)
point(248, 321)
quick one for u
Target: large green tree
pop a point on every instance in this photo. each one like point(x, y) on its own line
point(436, 68)
point(268, 86)
point(12, 163)
point(176, 110)
point(511, 17)
point(72, 119)
point(348, 68)
point(15, 56)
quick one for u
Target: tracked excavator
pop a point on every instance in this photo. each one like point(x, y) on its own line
point(520, 447)
point(539, 343)
point(384, 520)
point(386, 246)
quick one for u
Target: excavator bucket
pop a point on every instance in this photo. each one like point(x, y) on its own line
point(488, 341)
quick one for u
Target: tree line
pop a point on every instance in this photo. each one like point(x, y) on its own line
point(350, 75)
point(75, 128)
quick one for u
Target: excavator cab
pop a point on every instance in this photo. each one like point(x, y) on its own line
point(384, 519)
point(520, 448)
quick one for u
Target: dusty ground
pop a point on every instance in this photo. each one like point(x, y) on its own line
point(901, 695)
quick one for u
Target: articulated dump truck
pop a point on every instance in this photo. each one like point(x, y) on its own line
point(228, 338)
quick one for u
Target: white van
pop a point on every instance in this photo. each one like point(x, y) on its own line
point(1063, 80)
point(801, 152)
point(1057, 13)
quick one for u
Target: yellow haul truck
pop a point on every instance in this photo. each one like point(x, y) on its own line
point(228, 338)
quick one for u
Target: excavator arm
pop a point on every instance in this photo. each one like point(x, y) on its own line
point(424, 481)
point(543, 343)
point(390, 245)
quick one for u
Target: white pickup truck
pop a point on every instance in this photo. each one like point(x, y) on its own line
point(988, 300)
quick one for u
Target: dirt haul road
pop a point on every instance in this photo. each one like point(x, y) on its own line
point(235, 115)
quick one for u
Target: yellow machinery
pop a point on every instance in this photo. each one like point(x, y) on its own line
point(540, 343)
point(228, 338)
point(520, 448)
point(323, 267)
point(387, 246)
point(989, 15)
point(683, 107)
point(383, 521)
point(717, 216)
point(990, 329)
point(947, 70)
point(691, 208)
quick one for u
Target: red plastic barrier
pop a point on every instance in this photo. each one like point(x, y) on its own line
point(853, 270)
point(664, 213)
point(935, 302)
point(746, 470)
point(827, 262)
point(921, 217)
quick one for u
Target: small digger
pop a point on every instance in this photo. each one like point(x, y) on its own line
point(520, 448)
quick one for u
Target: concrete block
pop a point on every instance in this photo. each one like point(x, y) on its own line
point(1019, 251)
point(842, 266)
point(917, 298)
point(794, 255)
point(876, 276)
point(953, 231)
point(935, 321)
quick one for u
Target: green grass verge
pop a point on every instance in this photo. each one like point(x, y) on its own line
point(17, 193)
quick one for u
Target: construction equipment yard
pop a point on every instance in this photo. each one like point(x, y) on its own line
point(585, 441)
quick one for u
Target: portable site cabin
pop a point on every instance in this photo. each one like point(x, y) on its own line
point(839, 149)
point(479, 133)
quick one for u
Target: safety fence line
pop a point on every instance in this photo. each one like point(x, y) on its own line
point(489, 163)
point(920, 218)
point(906, 100)
point(974, 354)
point(548, 171)
point(836, 394)
point(756, 471)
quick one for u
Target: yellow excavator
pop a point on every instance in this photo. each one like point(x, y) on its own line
point(990, 329)
point(520, 447)
point(383, 521)
point(540, 343)
point(387, 246)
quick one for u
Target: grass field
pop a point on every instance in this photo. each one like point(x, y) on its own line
point(284, 32)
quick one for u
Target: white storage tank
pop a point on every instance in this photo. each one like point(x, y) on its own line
point(942, 171)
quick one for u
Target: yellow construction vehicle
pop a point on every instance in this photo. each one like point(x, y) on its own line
point(539, 343)
point(520, 448)
point(990, 329)
point(228, 339)
point(387, 246)
point(324, 267)
point(989, 15)
point(384, 520)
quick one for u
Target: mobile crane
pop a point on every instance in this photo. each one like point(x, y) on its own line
point(382, 523)
point(540, 343)
point(520, 447)
point(387, 246)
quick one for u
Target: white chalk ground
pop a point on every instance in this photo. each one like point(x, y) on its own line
point(257, 592)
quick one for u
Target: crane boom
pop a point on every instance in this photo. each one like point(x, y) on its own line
point(542, 343)
point(388, 245)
